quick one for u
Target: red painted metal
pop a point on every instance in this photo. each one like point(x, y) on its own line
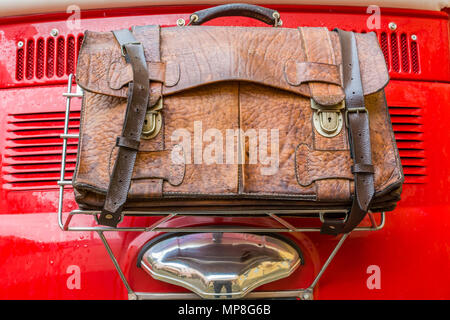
point(411, 251)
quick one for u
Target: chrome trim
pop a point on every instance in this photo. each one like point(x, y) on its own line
point(192, 296)
point(220, 265)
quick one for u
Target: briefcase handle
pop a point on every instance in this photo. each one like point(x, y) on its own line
point(266, 15)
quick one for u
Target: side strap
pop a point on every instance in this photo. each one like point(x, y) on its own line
point(128, 142)
point(359, 139)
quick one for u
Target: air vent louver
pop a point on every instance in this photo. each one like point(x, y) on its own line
point(409, 134)
point(45, 59)
point(400, 52)
point(33, 150)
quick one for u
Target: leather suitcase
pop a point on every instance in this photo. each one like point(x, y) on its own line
point(235, 118)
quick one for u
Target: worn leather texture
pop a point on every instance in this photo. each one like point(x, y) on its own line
point(216, 80)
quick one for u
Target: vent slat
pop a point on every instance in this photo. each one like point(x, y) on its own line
point(409, 153)
point(37, 134)
point(406, 127)
point(406, 136)
point(41, 125)
point(30, 61)
point(37, 159)
point(404, 111)
point(406, 119)
point(49, 142)
point(414, 170)
point(33, 185)
point(50, 62)
point(40, 58)
point(34, 177)
point(38, 150)
point(60, 56)
point(415, 162)
point(38, 168)
point(43, 116)
point(408, 145)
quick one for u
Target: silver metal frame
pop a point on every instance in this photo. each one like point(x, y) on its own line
point(158, 226)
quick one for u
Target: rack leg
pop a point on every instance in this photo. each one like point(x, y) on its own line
point(309, 291)
point(131, 294)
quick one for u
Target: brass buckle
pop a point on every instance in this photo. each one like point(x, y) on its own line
point(153, 121)
point(328, 120)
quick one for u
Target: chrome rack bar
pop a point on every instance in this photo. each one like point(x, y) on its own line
point(158, 226)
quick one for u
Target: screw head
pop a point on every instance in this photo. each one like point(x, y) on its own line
point(181, 22)
point(413, 37)
point(54, 32)
point(392, 25)
point(109, 216)
point(20, 44)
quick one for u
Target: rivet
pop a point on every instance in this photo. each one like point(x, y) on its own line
point(413, 37)
point(392, 25)
point(54, 32)
point(109, 216)
point(20, 44)
point(181, 22)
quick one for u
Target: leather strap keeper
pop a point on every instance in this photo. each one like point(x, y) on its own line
point(127, 143)
point(362, 168)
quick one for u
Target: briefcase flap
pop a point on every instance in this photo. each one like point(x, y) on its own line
point(305, 61)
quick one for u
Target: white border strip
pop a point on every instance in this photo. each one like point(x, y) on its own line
point(26, 7)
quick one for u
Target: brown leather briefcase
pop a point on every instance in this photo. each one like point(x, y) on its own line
point(235, 118)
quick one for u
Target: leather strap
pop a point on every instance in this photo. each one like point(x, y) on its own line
point(359, 139)
point(128, 142)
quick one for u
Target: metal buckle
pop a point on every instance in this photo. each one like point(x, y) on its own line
point(322, 217)
point(328, 120)
point(354, 110)
point(332, 225)
point(153, 121)
point(123, 49)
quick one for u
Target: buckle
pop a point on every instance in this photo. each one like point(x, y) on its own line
point(332, 226)
point(153, 121)
point(354, 110)
point(123, 49)
point(323, 218)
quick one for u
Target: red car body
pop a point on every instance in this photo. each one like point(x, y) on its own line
point(38, 260)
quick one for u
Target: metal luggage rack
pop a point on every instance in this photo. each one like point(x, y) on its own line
point(160, 225)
